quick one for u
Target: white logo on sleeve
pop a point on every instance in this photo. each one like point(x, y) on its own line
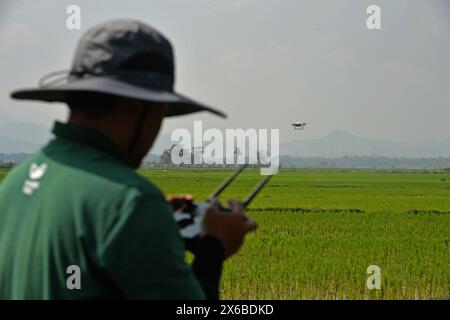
point(35, 173)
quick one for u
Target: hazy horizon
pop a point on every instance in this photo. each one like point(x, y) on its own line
point(265, 63)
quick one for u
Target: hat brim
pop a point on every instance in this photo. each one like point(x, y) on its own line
point(178, 104)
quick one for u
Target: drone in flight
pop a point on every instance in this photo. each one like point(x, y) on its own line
point(299, 125)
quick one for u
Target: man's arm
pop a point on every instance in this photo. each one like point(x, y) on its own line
point(208, 250)
point(222, 235)
point(207, 266)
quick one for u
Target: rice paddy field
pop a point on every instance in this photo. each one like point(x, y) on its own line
point(320, 230)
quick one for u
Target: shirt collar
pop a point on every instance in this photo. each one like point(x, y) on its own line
point(90, 137)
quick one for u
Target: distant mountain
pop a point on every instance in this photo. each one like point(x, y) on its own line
point(26, 131)
point(340, 143)
point(13, 157)
point(6, 118)
point(25, 137)
point(16, 137)
point(11, 145)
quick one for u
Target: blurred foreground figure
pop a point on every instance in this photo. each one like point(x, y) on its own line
point(76, 221)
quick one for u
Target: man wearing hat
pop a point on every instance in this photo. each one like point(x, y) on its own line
point(76, 221)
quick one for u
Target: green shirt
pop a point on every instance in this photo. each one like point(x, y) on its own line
point(77, 202)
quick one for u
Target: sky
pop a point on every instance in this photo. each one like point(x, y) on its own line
point(266, 63)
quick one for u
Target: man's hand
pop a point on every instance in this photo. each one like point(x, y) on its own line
point(229, 227)
point(180, 201)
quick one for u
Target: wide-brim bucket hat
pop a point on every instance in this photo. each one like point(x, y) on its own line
point(124, 58)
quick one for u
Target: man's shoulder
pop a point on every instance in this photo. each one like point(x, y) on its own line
point(100, 178)
point(112, 179)
point(91, 167)
point(115, 173)
point(129, 179)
